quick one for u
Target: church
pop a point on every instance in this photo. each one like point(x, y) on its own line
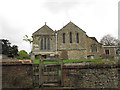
point(70, 42)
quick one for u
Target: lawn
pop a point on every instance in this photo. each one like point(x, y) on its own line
point(36, 61)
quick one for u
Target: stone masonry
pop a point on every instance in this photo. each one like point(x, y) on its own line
point(70, 42)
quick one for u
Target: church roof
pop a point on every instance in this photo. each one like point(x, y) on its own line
point(71, 24)
point(44, 27)
point(93, 38)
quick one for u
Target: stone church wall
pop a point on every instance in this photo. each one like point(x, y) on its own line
point(89, 42)
point(73, 50)
point(75, 54)
point(74, 45)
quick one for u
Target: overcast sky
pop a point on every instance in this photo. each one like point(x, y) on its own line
point(20, 17)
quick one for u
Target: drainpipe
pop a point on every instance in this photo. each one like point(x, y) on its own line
point(56, 42)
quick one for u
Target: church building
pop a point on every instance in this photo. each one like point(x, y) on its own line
point(70, 42)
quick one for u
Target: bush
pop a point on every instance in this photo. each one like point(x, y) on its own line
point(23, 55)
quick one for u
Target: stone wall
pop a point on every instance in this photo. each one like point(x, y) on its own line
point(17, 76)
point(41, 34)
point(77, 76)
point(112, 52)
point(70, 27)
point(77, 54)
point(81, 76)
point(74, 50)
point(72, 54)
point(99, 52)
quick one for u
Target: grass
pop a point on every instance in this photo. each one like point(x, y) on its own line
point(36, 61)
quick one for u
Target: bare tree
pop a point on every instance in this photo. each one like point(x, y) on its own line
point(108, 40)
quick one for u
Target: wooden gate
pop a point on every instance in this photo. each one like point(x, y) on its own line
point(48, 73)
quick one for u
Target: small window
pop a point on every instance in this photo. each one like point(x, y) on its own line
point(63, 37)
point(77, 37)
point(70, 37)
point(93, 48)
point(107, 52)
point(41, 44)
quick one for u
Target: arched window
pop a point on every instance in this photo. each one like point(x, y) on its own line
point(70, 37)
point(93, 48)
point(77, 37)
point(48, 44)
point(41, 44)
point(63, 37)
point(45, 43)
point(107, 51)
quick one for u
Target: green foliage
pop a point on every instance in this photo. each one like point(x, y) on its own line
point(95, 61)
point(7, 49)
point(27, 39)
point(23, 55)
point(36, 61)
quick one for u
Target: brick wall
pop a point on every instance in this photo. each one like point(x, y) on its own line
point(17, 76)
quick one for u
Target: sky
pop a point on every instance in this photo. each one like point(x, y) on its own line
point(23, 17)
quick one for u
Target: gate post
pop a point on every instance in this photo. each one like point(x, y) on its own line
point(40, 73)
point(61, 72)
point(32, 57)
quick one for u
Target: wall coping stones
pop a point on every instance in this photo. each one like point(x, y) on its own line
point(84, 65)
point(90, 66)
point(15, 64)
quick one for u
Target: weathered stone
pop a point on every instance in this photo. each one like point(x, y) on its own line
point(91, 78)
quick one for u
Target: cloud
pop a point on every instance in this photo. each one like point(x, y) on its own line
point(56, 6)
point(14, 34)
point(11, 32)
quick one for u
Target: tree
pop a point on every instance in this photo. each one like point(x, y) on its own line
point(27, 39)
point(14, 50)
point(7, 49)
point(23, 54)
point(5, 46)
point(108, 40)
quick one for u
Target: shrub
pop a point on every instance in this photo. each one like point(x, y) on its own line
point(23, 55)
